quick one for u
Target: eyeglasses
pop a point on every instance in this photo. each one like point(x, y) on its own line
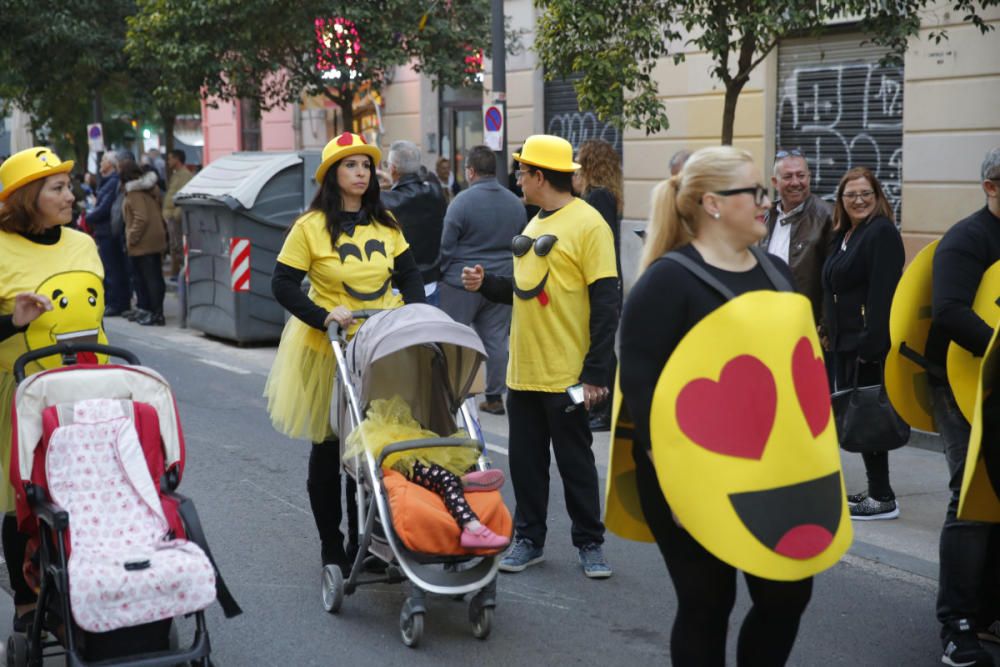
point(782, 154)
point(864, 195)
point(521, 244)
point(521, 173)
point(758, 191)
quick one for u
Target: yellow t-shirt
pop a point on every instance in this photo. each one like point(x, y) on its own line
point(70, 273)
point(356, 274)
point(550, 326)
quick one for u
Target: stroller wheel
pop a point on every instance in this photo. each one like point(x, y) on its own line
point(482, 624)
point(17, 650)
point(411, 628)
point(333, 588)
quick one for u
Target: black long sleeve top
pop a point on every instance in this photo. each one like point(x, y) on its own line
point(286, 284)
point(666, 302)
point(962, 257)
point(859, 281)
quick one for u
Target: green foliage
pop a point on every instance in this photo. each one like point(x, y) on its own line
point(615, 44)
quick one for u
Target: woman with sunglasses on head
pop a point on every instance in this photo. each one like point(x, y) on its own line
point(863, 266)
point(354, 253)
point(700, 256)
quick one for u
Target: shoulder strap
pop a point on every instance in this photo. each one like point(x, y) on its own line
point(700, 273)
point(777, 279)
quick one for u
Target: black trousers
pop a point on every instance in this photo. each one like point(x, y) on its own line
point(969, 557)
point(876, 463)
point(148, 273)
point(706, 592)
point(536, 419)
point(324, 486)
point(14, 544)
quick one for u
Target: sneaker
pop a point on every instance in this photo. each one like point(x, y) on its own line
point(483, 480)
point(870, 509)
point(482, 538)
point(855, 498)
point(493, 407)
point(521, 555)
point(990, 633)
point(961, 647)
point(592, 560)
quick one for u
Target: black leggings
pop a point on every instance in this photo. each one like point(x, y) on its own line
point(14, 544)
point(446, 485)
point(706, 592)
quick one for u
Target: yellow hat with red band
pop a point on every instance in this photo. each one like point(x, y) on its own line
point(344, 145)
point(29, 165)
point(547, 152)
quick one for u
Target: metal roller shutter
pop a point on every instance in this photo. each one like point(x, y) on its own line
point(842, 110)
point(563, 117)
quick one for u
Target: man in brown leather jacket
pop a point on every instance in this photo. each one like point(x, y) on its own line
point(799, 226)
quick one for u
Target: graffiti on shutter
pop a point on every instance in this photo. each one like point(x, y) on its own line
point(564, 118)
point(843, 115)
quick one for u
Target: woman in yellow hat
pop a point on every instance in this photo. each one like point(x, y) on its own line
point(51, 288)
point(354, 253)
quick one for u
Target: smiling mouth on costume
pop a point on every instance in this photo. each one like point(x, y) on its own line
point(798, 521)
point(368, 296)
point(534, 291)
point(82, 336)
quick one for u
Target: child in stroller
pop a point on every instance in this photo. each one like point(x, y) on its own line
point(438, 470)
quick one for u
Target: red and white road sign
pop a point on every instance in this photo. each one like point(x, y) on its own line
point(239, 264)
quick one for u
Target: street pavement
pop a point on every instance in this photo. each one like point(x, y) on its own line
point(875, 608)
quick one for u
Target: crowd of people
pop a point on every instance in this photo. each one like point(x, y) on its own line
point(535, 268)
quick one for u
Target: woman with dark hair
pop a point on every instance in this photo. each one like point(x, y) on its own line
point(599, 181)
point(145, 239)
point(863, 266)
point(354, 252)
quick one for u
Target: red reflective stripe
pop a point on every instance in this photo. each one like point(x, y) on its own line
point(239, 264)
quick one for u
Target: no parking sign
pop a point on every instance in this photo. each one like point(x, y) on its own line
point(493, 126)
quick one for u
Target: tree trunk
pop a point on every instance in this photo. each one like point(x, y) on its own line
point(346, 104)
point(733, 89)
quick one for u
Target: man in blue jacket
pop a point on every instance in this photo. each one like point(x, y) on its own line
point(109, 244)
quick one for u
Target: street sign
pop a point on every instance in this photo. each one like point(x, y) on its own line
point(95, 137)
point(493, 126)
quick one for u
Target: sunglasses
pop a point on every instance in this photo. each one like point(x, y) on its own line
point(521, 244)
point(758, 191)
point(782, 154)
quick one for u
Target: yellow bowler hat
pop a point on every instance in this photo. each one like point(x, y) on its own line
point(547, 152)
point(963, 368)
point(29, 165)
point(906, 381)
point(344, 145)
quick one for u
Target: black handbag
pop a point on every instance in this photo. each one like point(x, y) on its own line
point(866, 420)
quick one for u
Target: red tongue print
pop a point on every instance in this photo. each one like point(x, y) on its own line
point(811, 386)
point(86, 358)
point(543, 298)
point(733, 416)
point(804, 541)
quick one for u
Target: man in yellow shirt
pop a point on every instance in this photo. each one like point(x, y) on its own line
point(565, 297)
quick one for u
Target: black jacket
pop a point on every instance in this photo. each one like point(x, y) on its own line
point(419, 207)
point(859, 281)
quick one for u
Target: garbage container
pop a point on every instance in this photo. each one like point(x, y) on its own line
point(236, 212)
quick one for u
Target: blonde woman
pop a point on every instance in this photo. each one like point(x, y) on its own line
point(712, 213)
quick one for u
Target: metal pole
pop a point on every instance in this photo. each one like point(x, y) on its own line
point(500, 85)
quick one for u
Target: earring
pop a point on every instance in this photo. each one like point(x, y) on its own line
point(716, 215)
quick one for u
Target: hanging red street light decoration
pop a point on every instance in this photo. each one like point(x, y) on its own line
point(473, 64)
point(338, 50)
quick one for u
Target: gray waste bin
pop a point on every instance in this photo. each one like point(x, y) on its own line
point(236, 213)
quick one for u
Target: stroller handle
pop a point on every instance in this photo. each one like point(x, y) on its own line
point(333, 330)
point(69, 351)
point(427, 443)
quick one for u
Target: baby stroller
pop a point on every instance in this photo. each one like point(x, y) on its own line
point(418, 353)
point(97, 454)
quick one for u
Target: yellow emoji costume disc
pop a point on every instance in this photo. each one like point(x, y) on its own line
point(76, 316)
point(622, 511)
point(906, 381)
point(744, 442)
point(980, 496)
point(963, 368)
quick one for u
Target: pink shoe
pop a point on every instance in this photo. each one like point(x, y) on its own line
point(483, 480)
point(483, 538)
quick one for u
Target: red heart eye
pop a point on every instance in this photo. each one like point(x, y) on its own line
point(345, 139)
point(733, 416)
point(811, 386)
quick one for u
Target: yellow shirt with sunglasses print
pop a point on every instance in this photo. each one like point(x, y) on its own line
point(550, 327)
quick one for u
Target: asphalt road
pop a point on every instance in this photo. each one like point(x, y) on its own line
point(249, 486)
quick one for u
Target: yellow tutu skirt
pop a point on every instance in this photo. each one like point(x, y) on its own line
point(389, 421)
point(300, 385)
point(7, 389)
